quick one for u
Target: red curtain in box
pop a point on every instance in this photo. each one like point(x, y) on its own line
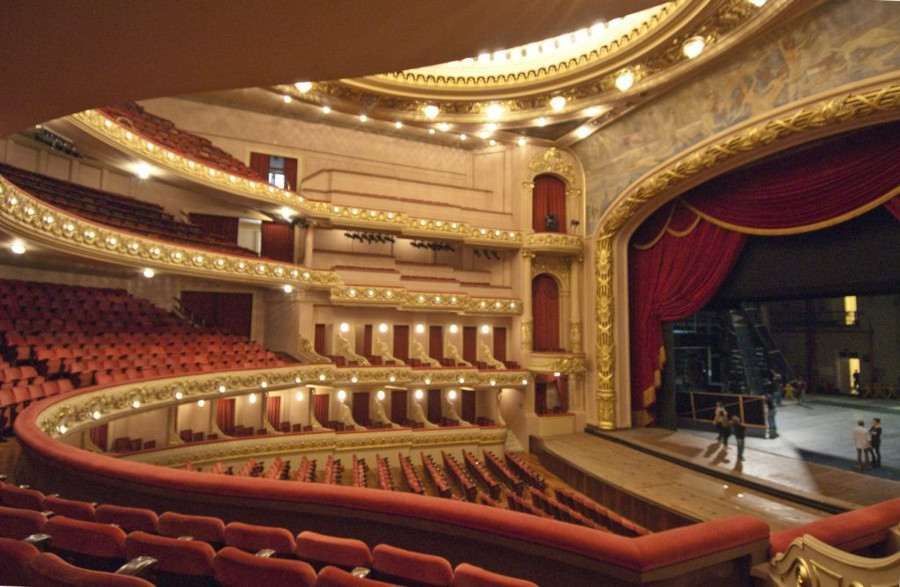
point(225, 415)
point(468, 406)
point(684, 251)
point(361, 407)
point(367, 341)
point(259, 162)
point(470, 344)
point(321, 408)
point(235, 312)
point(100, 436)
point(500, 343)
point(434, 405)
point(273, 410)
point(277, 241)
point(290, 173)
point(398, 405)
point(224, 228)
point(202, 304)
point(401, 343)
point(436, 342)
point(562, 388)
point(545, 313)
point(319, 342)
point(548, 197)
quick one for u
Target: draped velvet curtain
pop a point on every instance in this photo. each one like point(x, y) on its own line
point(290, 173)
point(319, 342)
point(100, 436)
point(470, 344)
point(468, 405)
point(436, 342)
point(500, 343)
point(434, 405)
point(540, 394)
point(548, 197)
point(361, 407)
point(273, 410)
point(225, 415)
point(277, 241)
point(562, 388)
point(202, 304)
point(223, 227)
point(230, 311)
point(684, 251)
point(320, 408)
point(259, 162)
point(401, 342)
point(367, 341)
point(398, 405)
point(545, 313)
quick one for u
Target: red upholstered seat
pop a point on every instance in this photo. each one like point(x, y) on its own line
point(236, 568)
point(329, 550)
point(92, 544)
point(77, 510)
point(392, 562)
point(14, 558)
point(334, 577)
point(254, 538)
point(129, 519)
point(18, 497)
point(205, 528)
point(178, 561)
point(466, 575)
point(48, 570)
point(17, 523)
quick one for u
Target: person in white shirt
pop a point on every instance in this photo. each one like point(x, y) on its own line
point(861, 440)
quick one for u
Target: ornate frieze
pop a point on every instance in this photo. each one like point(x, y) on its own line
point(809, 561)
point(404, 299)
point(555, 243)
point(555, 266)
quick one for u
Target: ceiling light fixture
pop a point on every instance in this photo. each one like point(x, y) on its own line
point(149, 273)
point(398, 124)
point(17, 247)
point(363, 118)
point(326, 109)
point(558, 103)
point(693, 47)
point(583, 132)
point(288, 288)
point(287, 99)
point(494, 111)
point(464, 137)
point(303, 87)
point(443, 127)
point(758, 3)
point(541, 121)
point(143, 171)
point(521, 141)
point(431, 111)
point(624, 81)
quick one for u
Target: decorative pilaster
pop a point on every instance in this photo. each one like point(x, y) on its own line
point(527, 325)
point(606, 394)
point(575, 339)
point(308, 246)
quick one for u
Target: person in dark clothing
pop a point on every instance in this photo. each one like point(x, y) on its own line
point(875, 442)
point(739, 431)
point(770, 415)
point(720, 420)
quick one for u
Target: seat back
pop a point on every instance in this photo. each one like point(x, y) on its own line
point(18, 524)
point(179, 562)
point(129, 519)
point(236, 568)
point(253, 538)
point(334, 577)
point(205, 528)
point(466, 575)
point(321, 550)
point(89, 544)
point(48, 570)
point(18, 497)
point(392, 563)
point(70, 508)
point(14, 558)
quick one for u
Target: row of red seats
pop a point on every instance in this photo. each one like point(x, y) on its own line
point(83, 532)
point(478, 470)
point(434, 473)
point(164, 133)
point(602, 516)
point(460, 476)
point(500, 469)
point(409, 473)
point(334, 471)
point(523, 472)
point(383, 470)
point(16, 399)
point(558, 511)
point(360, 472)
point(517, 504)
point(306, 472)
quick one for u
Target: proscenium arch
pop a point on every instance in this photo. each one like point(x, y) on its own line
point(824, 115)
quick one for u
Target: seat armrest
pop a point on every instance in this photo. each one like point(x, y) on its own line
point(40, 541)
point(361, 572)
point(265, 553)
point(138, 567)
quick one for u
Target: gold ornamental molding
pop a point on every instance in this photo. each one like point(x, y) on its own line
point(809, 561)
point(29, 217)
point(404, 299)
point(555, 243)
point(553, 161)
point(557, 267)
point(129, 140)
point(782, 129)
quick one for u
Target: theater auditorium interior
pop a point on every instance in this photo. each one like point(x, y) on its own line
point(498, 259)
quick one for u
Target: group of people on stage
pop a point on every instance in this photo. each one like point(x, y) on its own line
point(868, 444)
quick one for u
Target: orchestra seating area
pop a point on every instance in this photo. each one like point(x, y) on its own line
point(118, 212)
point(200, 550)
point(164, 133)
point(55, 338)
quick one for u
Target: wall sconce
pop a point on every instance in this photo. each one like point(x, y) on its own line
point(341, 395)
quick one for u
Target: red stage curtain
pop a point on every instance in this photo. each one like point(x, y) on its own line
point(277, 241)
point(99, 436)
point(290, 173)
point(468, 406)
point(367, 341)
point(361, 407)
point(401, 342)
point(273, 410)
point(470, 344)
point(222, 227)
point(319, 343)
point(500, 343)
point(225, 415)
point(320, 408)
point(259, 162)
point(434, 405)
point(398, 405)
point(545, 313)
point(548, 197)
point(436, 342)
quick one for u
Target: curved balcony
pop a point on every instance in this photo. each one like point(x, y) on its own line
point(554, 243)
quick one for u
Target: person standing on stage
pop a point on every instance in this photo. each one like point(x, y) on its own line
point(770, 415)
point(861, 440)
point(739, 431)
point(720, 420)
point(875, 442)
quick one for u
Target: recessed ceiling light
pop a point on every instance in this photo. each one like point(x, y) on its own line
point(494, 111)
point(484, 134)
point(693, 47)
point(592, 111)
point(303, 87)
point(443, 127)
point(463, 137)
point(431, 111)
point(398, 124)
point(558, 103)
point(148, 273)
point(492, 142)
point(521, 141)
point(541, 121)
point(625, 80)
point(363, 118)
point(287, 99)
point(142, 170)
point(17, 247)
point(431, 131)
point(582, 132)
point(288, 288)
point(326, 109)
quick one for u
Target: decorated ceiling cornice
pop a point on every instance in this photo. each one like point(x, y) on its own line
point(326, 213)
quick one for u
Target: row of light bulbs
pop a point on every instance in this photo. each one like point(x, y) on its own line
point(419, 328)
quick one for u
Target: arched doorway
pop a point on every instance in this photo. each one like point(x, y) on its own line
point(548, 204)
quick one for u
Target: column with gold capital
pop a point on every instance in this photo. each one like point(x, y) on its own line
point(527, 324)
point(575, 287)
